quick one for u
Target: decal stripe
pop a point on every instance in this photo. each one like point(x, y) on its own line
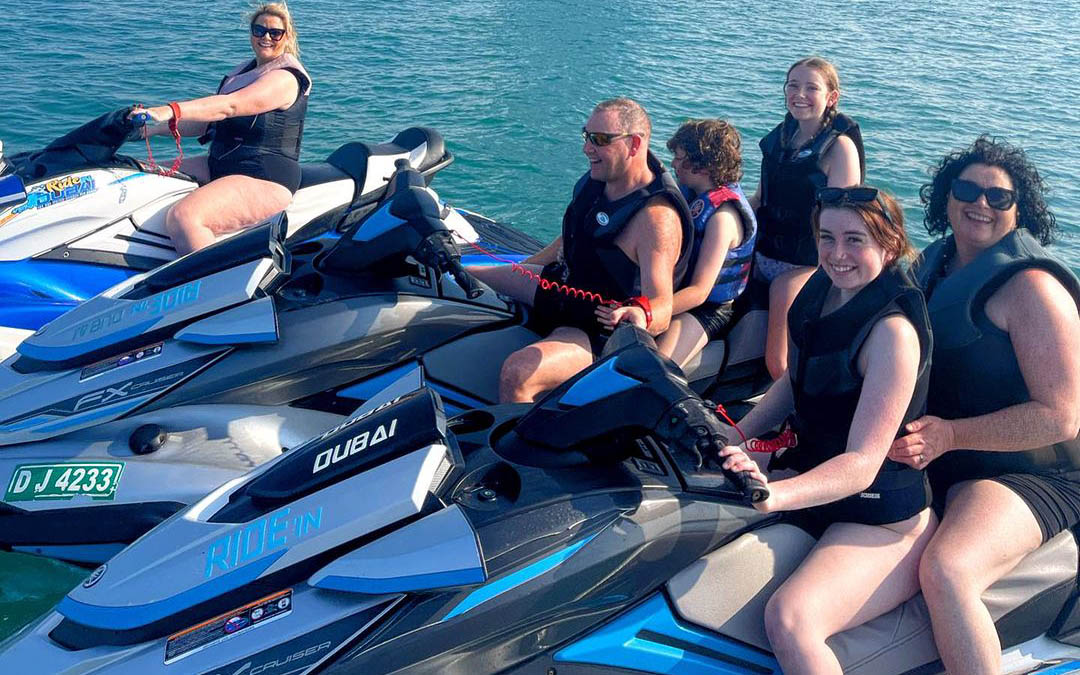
point(515, 579)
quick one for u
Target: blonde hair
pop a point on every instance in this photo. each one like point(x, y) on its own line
point(281, 11)
point(828, 73)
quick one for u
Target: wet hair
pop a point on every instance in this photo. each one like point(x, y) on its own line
point(828, 73)
point(632, 117)
point(281, 11)
point(712, 146)
point(889, 233)
point(1032, 212)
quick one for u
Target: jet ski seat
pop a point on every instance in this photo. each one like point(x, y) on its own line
point(1025, 603)
point(371, 165)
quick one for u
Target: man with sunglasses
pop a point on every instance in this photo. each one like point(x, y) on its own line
point(626, 238)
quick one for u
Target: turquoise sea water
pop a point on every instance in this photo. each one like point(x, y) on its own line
point(510, 82)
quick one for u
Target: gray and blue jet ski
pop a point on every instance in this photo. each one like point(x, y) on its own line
point(585, 535)
point(143, 399)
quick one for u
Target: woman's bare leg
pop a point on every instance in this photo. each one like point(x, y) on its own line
point(986, 531)
point(221, 206)
point(853, 574)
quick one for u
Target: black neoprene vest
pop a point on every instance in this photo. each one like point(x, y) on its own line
point(277, 132)
point(591, 259)
point(826, 385)
point(789, 186)
point(975, 371)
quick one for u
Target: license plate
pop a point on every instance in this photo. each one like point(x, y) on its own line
point(33, 482)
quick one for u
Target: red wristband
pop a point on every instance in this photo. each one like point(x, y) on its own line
point(642, 302)
point(175, 107)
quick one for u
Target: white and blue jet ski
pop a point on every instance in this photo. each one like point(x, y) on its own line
point(76, 217)
point(581, 536)
point(141, 400)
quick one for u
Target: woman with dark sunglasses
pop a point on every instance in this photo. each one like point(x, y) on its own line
point(814, 147)
point(1000, 440)
point(860, 349)
point(254, 125)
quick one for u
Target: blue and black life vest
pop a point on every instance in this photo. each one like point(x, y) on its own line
point(790, 180)
point(735, 273)
point(975, 370)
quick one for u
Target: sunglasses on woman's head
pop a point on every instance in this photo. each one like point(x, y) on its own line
point(600, 138)
point(997, 198)
point(837, 196)
point(258, 30)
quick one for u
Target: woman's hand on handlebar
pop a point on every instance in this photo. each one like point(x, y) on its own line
point(736, 460)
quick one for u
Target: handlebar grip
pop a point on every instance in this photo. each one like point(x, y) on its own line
point(465, 280)
point(753, 490)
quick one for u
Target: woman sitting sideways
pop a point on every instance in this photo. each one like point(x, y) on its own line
point(860, 355)
point(255, 123)
point(708, 165)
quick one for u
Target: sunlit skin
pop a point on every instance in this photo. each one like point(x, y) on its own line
point(847, 252)
point(264, 48)
point(807, 97)
point(976, 226)
point(610, 161)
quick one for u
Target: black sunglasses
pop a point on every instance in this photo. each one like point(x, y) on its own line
point(837, 196)
point(258, 30)
point(997, 198)
point(600, 138)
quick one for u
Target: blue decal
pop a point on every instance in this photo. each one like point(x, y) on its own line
point(362, 391)
point(55, 191)
point(603, 381)
point(649, 638)
point(1070, 666)
point(269, 533)
point(158, 304)
point(125, 179)
point(510, 581)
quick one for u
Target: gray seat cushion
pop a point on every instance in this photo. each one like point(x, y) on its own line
point(704, 594)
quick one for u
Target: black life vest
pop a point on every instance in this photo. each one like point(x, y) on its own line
point(826, 385)
point(790, 180)
point(591, 259)
point(278, 132)
point(975, 370)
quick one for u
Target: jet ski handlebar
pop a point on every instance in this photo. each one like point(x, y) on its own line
point(692, 426)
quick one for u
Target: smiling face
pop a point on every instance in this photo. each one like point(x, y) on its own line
point(264, 47)
point(976, 225)
point(807, 93)
point(609, 162)
point(846, 250)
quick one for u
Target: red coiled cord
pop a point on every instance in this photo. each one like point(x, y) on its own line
point(547, 284)
point(786, 438)
point(152, 165)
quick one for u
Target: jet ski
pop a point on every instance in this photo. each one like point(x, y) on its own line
point(586, 534)
point(77, 218)
point(141, 400)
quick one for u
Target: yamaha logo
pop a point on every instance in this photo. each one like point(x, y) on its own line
point(697, 207)
point(602, 218)
point(95, 576)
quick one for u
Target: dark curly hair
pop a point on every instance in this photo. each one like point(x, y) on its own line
point(1032, 212)
point(713, 146)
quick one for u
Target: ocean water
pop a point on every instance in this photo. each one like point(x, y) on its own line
point(509, 84)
